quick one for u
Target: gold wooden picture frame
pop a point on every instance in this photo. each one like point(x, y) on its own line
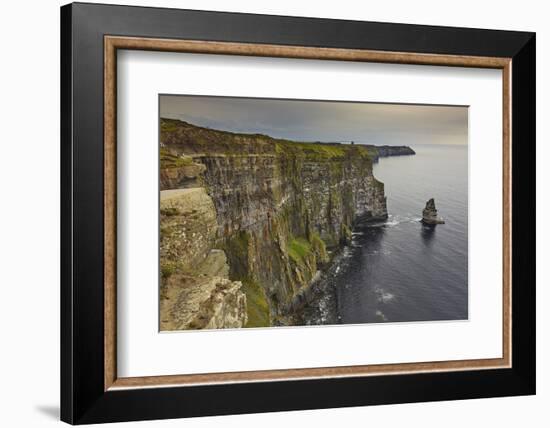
point(114, 43)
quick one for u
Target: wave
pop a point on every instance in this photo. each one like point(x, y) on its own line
point(395, 220)
point(383, 296)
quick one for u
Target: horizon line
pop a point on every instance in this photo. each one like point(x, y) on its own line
point(341, 142)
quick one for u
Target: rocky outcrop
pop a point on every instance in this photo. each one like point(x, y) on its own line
point(387, 151)
point(178, 171)
point(197, 302)
point(188, 227)
point(281, 208)
point(429, 214)
point(195, 289)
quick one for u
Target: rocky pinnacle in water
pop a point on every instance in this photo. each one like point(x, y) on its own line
point(429, 214)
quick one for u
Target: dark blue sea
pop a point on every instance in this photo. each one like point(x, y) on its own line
point(400, 270)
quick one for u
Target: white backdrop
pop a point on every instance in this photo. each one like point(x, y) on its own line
point(143, 351)
point(29, 218)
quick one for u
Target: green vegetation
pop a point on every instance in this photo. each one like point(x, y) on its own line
point(167, 268)
point(345, 233)
point(319, 247)
point(317, 151)
point(204, 140)
point(169, 160)
point(298, 249)
point(257, 307)
point(169, 211)
point(168, 125)
point(236, 249)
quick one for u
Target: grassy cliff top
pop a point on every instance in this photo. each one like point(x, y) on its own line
point(181, 137)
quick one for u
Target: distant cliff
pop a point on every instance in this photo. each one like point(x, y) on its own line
point(387, 151)
point(374, 151)
point(271, 211)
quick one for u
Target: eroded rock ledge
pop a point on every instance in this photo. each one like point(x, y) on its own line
point(195, 289)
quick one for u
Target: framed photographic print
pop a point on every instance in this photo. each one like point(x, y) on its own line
point(265, 213)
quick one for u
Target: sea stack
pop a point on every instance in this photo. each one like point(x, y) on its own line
point(429, 214)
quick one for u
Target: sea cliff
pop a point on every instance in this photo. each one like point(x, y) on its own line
point(272, 212)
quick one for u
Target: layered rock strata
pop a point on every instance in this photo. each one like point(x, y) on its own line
point(280, 210)
point(429, 214)
point(387, 151)
point(195, 290)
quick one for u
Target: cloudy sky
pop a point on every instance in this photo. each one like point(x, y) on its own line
point(367, 123)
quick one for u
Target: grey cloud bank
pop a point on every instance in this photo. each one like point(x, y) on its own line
point(366, 123)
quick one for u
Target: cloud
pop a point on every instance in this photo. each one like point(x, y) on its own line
point(370, 123)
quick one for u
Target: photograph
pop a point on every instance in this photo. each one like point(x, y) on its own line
point(287, 212)
point(261, 212)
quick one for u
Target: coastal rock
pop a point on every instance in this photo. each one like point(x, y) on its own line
point(276, 208)
point(429, 214)
point(187, 228)
point(388, 151)
point(195, 291)
point(179, 171)
point(191, 302)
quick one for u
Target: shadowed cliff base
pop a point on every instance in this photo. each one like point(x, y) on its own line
point(274, 212)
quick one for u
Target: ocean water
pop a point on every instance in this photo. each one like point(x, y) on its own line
point(401, 270)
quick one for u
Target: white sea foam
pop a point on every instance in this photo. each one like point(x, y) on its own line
point(347, 253)
point(395, 220)
point(383, 296)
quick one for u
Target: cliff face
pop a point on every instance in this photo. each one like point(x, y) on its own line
point(281, 208)
point(195, 290)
